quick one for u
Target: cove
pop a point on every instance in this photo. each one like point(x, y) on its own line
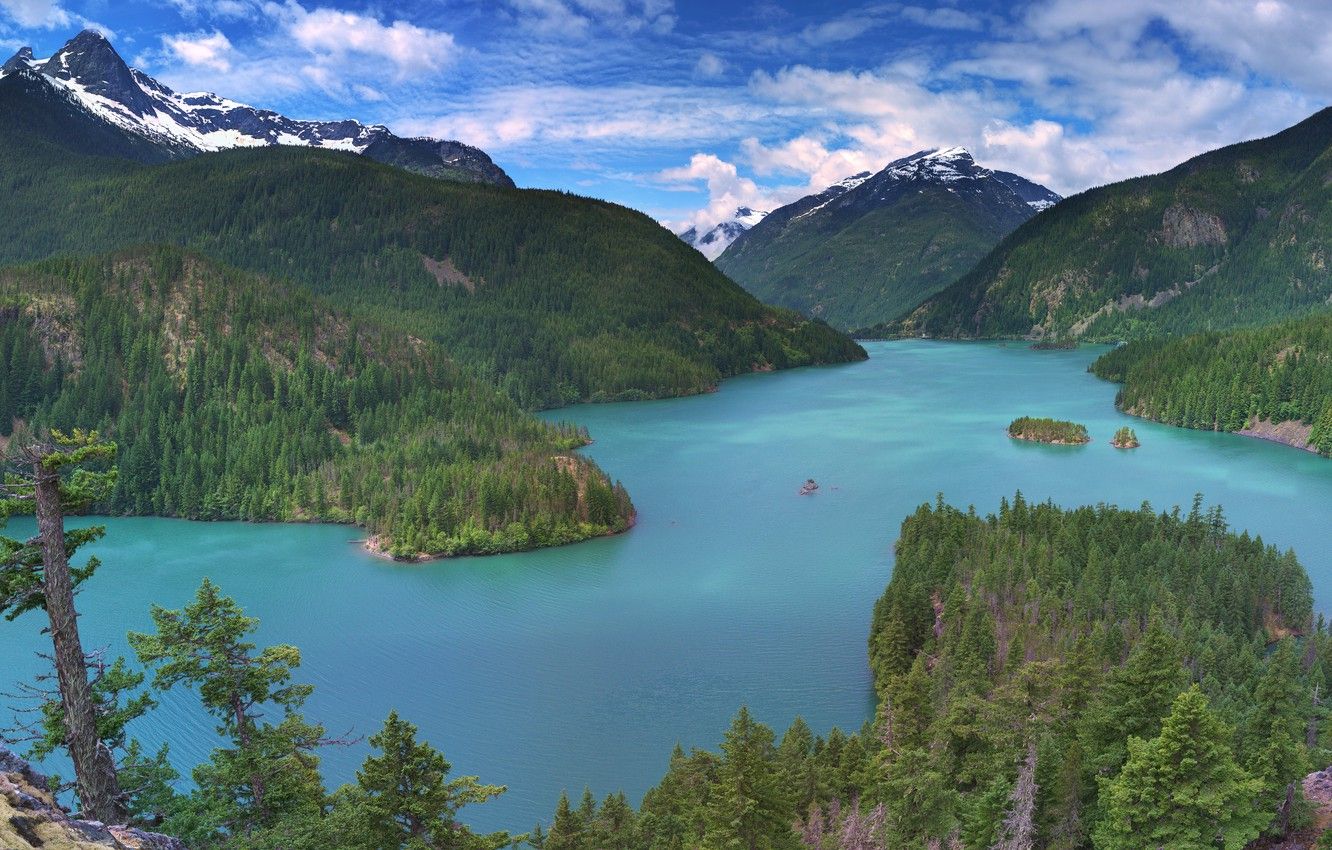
point(584, 665)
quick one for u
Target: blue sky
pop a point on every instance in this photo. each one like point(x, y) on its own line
point(686, 108)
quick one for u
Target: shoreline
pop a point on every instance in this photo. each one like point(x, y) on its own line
point(1026, 439)
point(375, 548)
point(1283, 433)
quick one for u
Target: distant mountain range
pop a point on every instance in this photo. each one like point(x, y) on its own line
point(873, 245)
point(88, 74)
point(1237, 236)
point(712, 241)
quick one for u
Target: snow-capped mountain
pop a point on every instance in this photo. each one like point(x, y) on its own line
point(872, 245)
point(89, 73)
point(718, 238)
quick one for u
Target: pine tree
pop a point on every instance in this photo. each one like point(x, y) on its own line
point(411, 802)
point(51, 481)
point(1133, 701)
point(748, 808)
point(269, 771)
point(1181, 790)
point(1275, 752)
point(566, 833)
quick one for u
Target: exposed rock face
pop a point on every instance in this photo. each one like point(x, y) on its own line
point(1186, 227)
point(30, 818)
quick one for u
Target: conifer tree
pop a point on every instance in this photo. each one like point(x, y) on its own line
point(409, 799)
point(748, 809)
point(51, 480)
point(566, 832)
point(1275, 752)
point(268, 771)
point(1181, 790)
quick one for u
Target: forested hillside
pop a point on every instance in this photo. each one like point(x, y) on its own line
point(1238, 236)
point(234, 396)
point(559, 298)
point(1274, 381)
point(1047, 678)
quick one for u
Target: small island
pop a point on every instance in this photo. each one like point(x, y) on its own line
point(1053, 431)
point(1125, 439)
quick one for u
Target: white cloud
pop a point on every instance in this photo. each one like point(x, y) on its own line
point(209, 50)
point(575, 18)
point(726, 189)
point(942, 18)
point(709, 65)
point(232, 10)
point(332, 34)
point(37, 13)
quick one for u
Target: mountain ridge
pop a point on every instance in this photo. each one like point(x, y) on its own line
point(1236, 236)
point(89, 71)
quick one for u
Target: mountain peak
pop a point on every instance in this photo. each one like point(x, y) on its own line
point(953, 153)
point(22, 59)
point(90, 61)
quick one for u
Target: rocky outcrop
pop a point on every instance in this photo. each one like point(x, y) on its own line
point(1186, 227)
point(30, 818)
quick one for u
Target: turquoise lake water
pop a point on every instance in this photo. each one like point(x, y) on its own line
point(585, 665)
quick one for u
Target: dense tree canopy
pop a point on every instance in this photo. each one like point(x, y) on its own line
point(236, 398)
point(1226, 381)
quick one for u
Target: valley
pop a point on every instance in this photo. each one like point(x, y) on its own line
point(713, 473)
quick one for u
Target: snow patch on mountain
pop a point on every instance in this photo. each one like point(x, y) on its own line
point(714, 240)
point(88, 70)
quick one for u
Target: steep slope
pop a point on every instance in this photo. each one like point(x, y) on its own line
point(1273, 382)
point(559, 298)
point(1236, 236)
point(87, 72)
point(711, 242)
point(871, 246)
point(235, 397)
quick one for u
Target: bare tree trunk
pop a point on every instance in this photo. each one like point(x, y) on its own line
point(1019, 829)
point(94, 767)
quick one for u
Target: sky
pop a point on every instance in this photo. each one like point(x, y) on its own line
point(687, 109)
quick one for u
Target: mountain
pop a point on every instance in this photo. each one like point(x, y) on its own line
point(555, 297)
point(719, 237)
point(87, 73)
point(867, 248)
point(1237, 236)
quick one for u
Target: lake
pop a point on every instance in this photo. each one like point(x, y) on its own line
point(584, 665)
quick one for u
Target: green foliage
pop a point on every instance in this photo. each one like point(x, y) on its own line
point(1125, 438)
point(1182, 789)
point(1048, 430)
point(268, 771)
point(403, 798)
point(748, 806)
point(1237, 236)
point(79, 457)
point(235, 398)
point(556, 298)
point(1226, 381)
point(1114, 612)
